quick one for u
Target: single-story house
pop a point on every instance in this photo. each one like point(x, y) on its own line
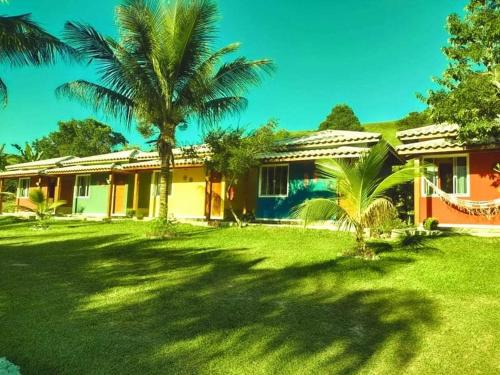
point(126, 182)
point(461, 187)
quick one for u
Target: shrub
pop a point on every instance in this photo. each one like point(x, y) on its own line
point(386, 225)
point(431, 223)
point(130, 212)
point(8, 368)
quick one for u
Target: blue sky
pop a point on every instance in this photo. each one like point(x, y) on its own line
point(371, 54)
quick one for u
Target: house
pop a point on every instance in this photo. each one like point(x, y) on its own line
point(289, 176)
point(127, 182)
point(461, 187)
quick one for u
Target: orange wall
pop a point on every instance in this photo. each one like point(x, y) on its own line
point(484, 185)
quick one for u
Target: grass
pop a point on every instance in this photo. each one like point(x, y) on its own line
point(88, 297)
point(388, 130)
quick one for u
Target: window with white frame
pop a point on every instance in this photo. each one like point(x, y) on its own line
point(83, 186)
point(23, 188)
point(450, 174)
point(273, 181)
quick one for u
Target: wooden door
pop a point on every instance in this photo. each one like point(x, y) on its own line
point(216, 197)
point(120, 194)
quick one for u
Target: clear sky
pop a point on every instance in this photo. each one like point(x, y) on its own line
point(371, 54)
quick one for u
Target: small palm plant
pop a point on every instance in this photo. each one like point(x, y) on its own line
point(363, 191)
point(43, 210)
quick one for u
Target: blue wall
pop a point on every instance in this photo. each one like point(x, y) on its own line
point(298, 191)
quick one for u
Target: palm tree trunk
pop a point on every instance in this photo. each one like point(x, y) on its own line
point(360, 240)
point(165, 153)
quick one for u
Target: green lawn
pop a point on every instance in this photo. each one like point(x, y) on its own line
point(88, 297)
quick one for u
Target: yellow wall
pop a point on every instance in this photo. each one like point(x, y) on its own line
point(188, 194)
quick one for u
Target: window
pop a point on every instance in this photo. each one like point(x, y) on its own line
point(273, 181)
point(156, 181)
point(450, 174)
point(23, 189)
point(82, 186)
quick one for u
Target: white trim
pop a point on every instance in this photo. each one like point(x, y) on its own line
point(19, 187)
point(76, 186)
point(447, 156)
point(287, 180)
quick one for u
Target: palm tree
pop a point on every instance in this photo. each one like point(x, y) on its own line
point(27, 154)
point(163, 72)
point(363, 191)
point(23, 42)
point(43, 210)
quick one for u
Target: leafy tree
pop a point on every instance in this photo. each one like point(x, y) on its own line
point(79, 138)
point(23, 42)
point(234, 154)
point(363, 191)
point(163, 71)
point(414, 120)
point(27, 154)
point(5, 158)
point(470, 89)
point(341, 117)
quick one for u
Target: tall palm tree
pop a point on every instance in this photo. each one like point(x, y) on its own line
point(27, 154)
point(23, 42)
point(363, 191)
point(163, 71)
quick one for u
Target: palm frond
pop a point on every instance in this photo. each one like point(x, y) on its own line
point(25, 43)
point(192, 29)
point(318, 209)
point(405, 174)
point(234, 78)
point(375, 213)
point(213, 110)
point(99, 98)
point(3, 93)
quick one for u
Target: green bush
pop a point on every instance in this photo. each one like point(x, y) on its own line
point(8, 368)
point(389, 223)
point(431, 223)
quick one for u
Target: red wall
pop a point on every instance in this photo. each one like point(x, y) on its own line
point(484, 185)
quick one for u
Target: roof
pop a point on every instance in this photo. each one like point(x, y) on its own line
point(111, 157)
point(339, 152)
point(155, 164)
point(47, 163)
point(84, 168)
point(330, 138)
point(432, 145)
point(21, 173)
point(443, 130)
point(327, 143)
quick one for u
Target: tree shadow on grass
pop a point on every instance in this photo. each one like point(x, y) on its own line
point(115, 304)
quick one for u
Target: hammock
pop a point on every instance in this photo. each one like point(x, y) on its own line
point(479, 208)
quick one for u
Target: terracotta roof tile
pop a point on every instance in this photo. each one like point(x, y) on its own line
point(429, 132)
point(47, 163)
